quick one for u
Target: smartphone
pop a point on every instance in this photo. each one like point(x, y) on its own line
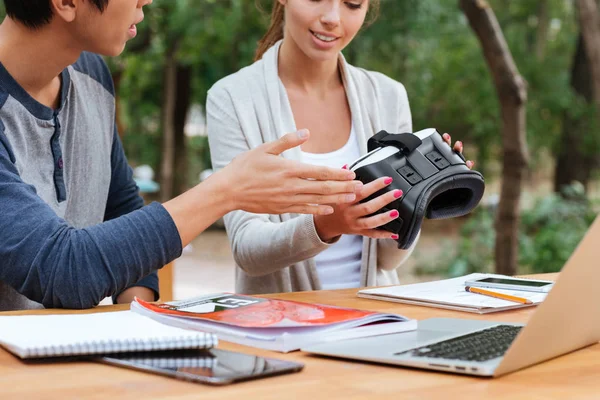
point(213, 366)
point(528, 285)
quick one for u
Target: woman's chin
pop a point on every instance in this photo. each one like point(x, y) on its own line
point(323, 56)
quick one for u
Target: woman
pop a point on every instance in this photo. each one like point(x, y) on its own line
point(302, 80)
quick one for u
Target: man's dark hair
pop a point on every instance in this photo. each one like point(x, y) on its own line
point(37, 13)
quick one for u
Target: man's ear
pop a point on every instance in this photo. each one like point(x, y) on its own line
point(65, 9)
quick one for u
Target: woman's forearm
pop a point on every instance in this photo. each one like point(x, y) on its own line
point(261, 247)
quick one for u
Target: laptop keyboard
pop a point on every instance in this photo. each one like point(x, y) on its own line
point(478, 346)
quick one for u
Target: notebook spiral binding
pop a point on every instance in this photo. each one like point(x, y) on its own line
point(205, 340)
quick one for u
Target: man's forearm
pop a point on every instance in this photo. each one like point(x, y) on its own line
point(199, 207)
point(141, 292)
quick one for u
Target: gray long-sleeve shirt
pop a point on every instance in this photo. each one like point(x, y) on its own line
point(73, 228)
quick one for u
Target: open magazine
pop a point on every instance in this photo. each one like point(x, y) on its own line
point(271, 324)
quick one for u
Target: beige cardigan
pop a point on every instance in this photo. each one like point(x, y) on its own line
point(274, 253)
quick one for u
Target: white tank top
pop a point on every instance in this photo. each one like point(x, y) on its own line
point(338, 266)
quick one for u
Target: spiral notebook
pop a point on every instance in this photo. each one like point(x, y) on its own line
point(38, 336)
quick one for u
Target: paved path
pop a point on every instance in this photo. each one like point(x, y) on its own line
point(209, 266)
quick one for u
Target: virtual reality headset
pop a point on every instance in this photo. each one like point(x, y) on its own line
point(434, 178)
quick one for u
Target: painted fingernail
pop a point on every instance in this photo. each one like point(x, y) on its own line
point(350, 198)
point(388, 181)
point(397, 193)
point(345, 166)
point(395, 237)
point(394, 214)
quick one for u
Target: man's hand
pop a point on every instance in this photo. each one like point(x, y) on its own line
point(261, 181)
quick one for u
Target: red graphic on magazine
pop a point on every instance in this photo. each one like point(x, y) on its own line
point(254, 312)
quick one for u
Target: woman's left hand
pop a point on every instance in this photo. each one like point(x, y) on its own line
point(458, 146)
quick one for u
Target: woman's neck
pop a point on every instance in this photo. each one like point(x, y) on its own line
point(314, 77)
point(41, 55)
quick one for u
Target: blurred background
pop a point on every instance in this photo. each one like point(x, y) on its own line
point(185, 46)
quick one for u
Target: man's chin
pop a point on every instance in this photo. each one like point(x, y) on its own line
point(112, 51)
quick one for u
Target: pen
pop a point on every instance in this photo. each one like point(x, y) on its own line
point(498, 295)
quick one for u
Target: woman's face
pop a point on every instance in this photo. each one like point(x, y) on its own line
point(322, 28)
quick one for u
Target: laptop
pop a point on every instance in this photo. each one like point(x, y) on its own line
point(569, 319)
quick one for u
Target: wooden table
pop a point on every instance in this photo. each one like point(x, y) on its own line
point(573, 376)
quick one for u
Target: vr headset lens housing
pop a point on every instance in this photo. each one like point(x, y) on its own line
point(435, 179)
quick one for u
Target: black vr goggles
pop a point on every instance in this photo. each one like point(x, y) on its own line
point(434, 178)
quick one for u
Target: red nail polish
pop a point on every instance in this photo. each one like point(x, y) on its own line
point(388, 181)
point(395, 237)
point(345, 166)
point(398, 193)
point(394, 214)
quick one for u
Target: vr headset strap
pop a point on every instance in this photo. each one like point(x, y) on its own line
point(405, 142)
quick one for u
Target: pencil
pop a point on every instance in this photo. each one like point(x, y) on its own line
point(498, 295)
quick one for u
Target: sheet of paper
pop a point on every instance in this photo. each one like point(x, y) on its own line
point(452, 291)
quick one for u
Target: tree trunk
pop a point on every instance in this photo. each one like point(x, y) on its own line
point(182, 105)
point(512, 93)
point(168, 126)
point(573, 162)
point(589, 23)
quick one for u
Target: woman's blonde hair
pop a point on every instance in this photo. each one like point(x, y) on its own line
point(275, 31)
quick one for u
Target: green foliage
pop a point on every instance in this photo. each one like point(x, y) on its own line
point(553, 228)
point(549, 232)
point(427, 45)
point(215, 38)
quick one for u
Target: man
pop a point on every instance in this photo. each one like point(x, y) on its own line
point(73, 228)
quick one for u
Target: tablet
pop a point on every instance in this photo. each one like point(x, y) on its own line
point(213, 366)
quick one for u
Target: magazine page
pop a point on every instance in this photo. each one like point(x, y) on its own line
point(254, 312)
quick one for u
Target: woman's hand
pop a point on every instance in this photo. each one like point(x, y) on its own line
point(260, 181)
point(352, 218)
point(458, 146)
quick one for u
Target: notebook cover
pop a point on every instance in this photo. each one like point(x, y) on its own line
point(254, 312)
